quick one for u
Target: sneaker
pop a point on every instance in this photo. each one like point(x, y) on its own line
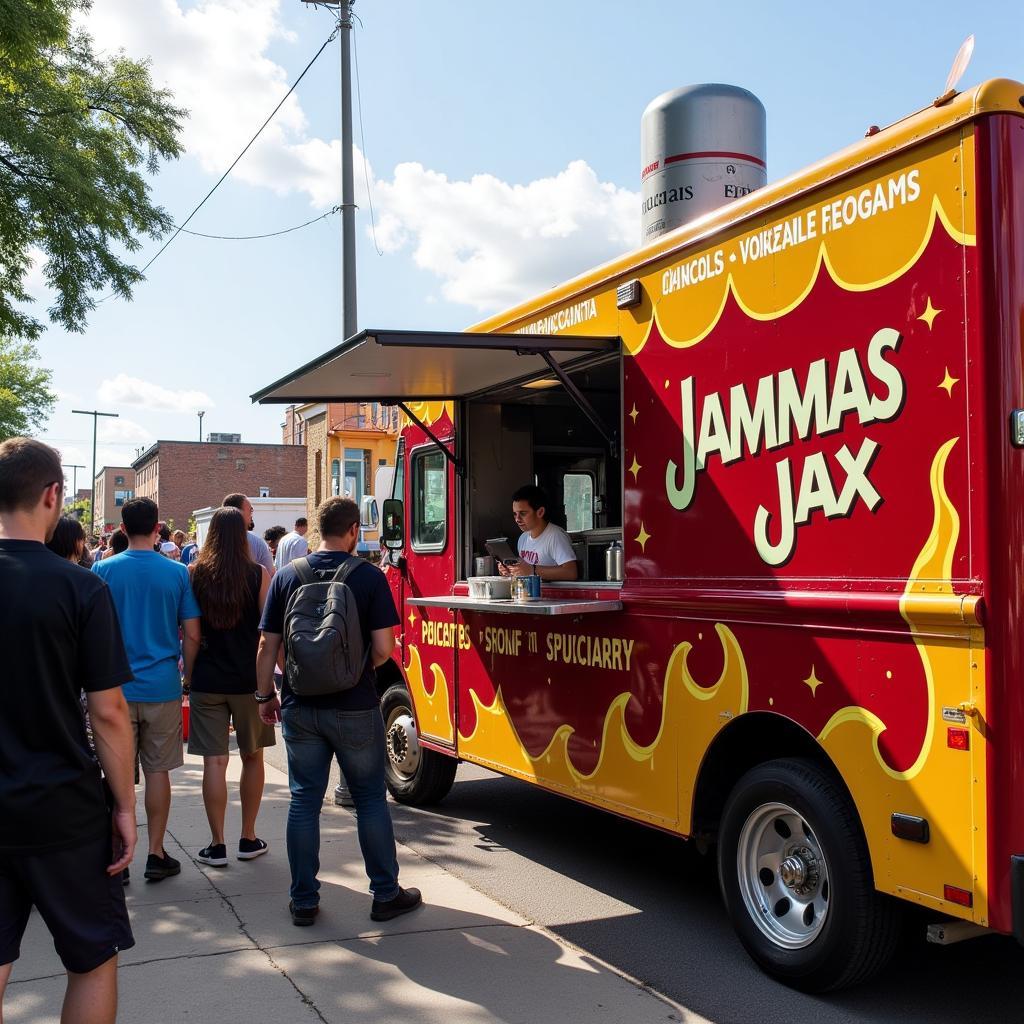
point(250, 849)
point(406, 900)
point(302, 916)
point(125, 877)
point(159, 867)
point(216, 855)
point(343, 797)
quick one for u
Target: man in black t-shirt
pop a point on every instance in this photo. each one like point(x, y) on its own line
point(60, 635)
point(346, 725)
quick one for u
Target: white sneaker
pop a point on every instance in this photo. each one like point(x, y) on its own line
point(343, 797)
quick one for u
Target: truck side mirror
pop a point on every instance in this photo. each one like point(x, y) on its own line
point(368, 514)
point(393, 530)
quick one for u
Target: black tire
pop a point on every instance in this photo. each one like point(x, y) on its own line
point(816, 923)
point(418, 781)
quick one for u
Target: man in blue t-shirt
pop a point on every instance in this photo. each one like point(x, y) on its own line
point(153, 598)
point(346, 725)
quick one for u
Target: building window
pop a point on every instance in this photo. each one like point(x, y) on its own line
point(118, 481)
point(355, 474)
point(318, 468)
point(429, 500)
point(335, 477)
point(264, 492)
point(120, 497)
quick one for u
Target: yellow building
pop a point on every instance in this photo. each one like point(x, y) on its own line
point(346, 444)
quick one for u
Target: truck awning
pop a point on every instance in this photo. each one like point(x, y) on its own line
point(400, 366)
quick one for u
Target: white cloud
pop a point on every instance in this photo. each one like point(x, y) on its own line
point(490, 242)
point(493, 243)
point(213, 58)
point(125, 390)
point(123, 431)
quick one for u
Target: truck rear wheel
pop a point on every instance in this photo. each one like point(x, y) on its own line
point(414, 775)
point(796, 877)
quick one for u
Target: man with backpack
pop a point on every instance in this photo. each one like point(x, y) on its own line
point(336, 617)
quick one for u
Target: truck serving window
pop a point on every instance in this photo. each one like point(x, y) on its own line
point(429, 500)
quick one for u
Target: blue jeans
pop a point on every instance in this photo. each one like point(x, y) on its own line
point(313, 737)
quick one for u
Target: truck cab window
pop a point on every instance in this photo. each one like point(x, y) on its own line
point(429, 500)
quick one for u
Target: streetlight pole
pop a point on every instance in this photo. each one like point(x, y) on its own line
point(201, 415)
point(95, 414)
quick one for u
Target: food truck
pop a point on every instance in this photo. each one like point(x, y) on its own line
point(802, 416)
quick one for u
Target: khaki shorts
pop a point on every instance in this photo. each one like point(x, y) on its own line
point(209, 716)
point(157, 729)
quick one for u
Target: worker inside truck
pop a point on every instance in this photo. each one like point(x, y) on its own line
point(544, 548)
point(536, 432)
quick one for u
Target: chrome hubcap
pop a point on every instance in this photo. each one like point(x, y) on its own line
point(783, 876)
point(402, 743)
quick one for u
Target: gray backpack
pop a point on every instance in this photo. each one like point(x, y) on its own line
point(323, 637)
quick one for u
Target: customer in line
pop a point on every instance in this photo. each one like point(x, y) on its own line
point(258, 549)
point(346, 724)
point(293, 545)
point(231, 590)
point(153, 599)
point(60, 635)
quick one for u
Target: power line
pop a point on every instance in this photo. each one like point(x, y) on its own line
point(270, 234)
point(234, 162)
point(362, 139)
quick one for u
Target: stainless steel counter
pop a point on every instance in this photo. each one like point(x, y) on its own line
point(544, 606)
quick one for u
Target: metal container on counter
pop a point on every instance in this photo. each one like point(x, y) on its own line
point(533, 586)
point(614, 562)
point(520, 590)
point(490, 588)
point(483, 565)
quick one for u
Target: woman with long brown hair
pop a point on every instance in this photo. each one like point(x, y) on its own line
point(231, 589)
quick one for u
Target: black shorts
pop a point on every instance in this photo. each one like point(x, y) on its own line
point(80, 903)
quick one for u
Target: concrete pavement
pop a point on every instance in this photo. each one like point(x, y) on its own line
point(217, 945)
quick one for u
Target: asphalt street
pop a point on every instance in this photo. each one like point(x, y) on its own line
point(648, 904)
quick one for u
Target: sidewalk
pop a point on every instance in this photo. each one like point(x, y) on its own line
point(216, 946)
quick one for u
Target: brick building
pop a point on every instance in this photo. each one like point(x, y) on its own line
point(114, 485)
point(181, 476)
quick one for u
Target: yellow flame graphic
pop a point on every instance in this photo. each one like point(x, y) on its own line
point(641, 780)
point(945, 786)
point(429, 412)
point(433, 714)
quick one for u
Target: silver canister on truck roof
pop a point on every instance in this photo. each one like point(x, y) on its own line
point(700, 147)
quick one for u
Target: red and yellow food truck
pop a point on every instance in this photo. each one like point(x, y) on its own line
point(802, 417)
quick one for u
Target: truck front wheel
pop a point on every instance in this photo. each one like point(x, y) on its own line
point(796, 877)
point(414, 775)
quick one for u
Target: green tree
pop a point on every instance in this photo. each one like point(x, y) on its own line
point(78, 132)
point(25, 396)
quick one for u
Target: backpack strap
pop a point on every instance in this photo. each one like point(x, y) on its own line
point(348, 567)
point(304, 570)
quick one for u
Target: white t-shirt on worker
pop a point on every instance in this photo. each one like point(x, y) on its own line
point(552, 547)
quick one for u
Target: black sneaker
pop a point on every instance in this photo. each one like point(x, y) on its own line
point(302, 916)
point(216, 855)
point(125, 877)
point(406, 900)
point(250, 849)
point(160, 867)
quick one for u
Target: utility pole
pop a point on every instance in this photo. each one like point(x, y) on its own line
point(201, 415)
point(95, 414)
point(74, 467)
point(348, 204)
point(349, 319)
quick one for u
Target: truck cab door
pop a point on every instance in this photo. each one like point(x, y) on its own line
point(431, 635)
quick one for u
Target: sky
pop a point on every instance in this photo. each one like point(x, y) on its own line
point(499, 149)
